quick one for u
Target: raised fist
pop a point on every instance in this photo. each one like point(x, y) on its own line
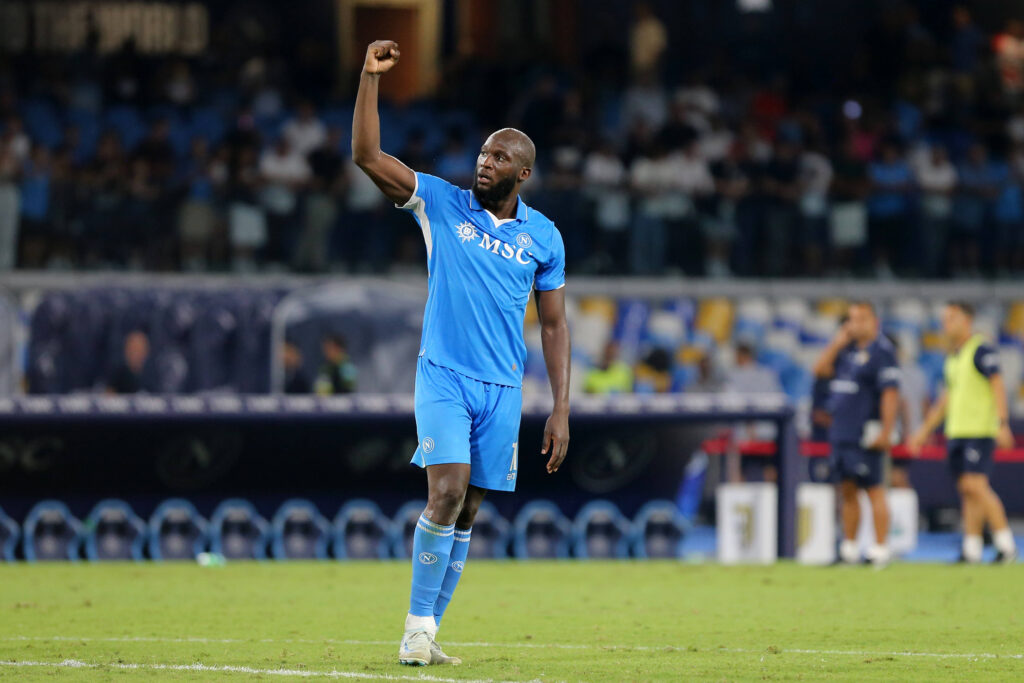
point(381, 55)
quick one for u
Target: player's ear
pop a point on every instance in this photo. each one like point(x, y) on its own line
point(524, 173)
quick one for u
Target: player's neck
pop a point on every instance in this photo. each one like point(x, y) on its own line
point(958, 343)
point(866, 342)
point(502, 209)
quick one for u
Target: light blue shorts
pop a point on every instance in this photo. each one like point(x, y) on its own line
point(461, 419)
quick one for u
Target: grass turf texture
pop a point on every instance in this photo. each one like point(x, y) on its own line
point(513, 621)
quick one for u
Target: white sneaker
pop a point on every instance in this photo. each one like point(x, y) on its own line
point(415, 648)
point(437, 655)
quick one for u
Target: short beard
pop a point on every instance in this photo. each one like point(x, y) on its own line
point(496, 193)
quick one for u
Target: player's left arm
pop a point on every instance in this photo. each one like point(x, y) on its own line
point(888, 411)
point(1005, 437)
point(889, 408)
point(554, 329)
point(986, 360)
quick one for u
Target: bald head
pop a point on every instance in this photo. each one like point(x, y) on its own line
point(517, 142)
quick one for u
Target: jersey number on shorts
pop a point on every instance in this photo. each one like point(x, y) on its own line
point(515, 462)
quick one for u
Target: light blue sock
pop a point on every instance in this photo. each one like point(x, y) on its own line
point(460, 550)
point(431, 546)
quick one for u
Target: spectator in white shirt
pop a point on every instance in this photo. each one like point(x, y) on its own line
point(814, 179)
point(936, 177)
point(605, 183)
point(285, 173)
point(305, 132)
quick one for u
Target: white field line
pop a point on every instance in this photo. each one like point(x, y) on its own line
point(540, 646)
point(197, 667)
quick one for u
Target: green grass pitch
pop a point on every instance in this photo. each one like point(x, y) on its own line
point(557, 621)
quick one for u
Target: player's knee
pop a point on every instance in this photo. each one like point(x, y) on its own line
point(468, 514)
point(444, 502)
point(971, 487)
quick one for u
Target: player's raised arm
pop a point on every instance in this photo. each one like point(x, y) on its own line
point(555, 342)
point(824, 365)
point(395, 179)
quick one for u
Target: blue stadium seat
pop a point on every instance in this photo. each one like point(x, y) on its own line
point(361, 532)
point(403, 526)
point(176, 531)
point(600, 532)
point(9, 534)
point(51, 532)
point(114, 532)
point(658, 530)
point(491, 533)
point(299, 532)
point(541, 531)
point(238, 532)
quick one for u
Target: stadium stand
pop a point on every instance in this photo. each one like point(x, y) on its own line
point(10, 534)
point(176, 531)
point(541, 530)
point(600, 531)
point(658, 531)
point(361, 532)
point(112, 531)
point(51, 532)
point(238, 532)
point(299, 532)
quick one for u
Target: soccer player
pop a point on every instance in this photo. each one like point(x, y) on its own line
point(863, 402)
point(486, 251)
point(973, 405)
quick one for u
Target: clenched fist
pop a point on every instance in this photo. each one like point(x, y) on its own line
point(381, 55)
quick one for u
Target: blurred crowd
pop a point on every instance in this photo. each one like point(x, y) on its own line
point(709, 172)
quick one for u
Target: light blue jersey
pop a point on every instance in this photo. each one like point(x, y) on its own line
point(470, 370)
point(481, 272)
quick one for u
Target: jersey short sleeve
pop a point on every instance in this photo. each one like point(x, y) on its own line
point(551, 274)
point(888, 370)
point(427, 200)
point(986, 360)
point(430, 190)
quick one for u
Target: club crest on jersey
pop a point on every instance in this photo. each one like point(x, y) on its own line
point(466, 231)
point(524, 240)
point(427, 445)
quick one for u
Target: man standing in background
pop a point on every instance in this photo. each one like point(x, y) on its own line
point(864, 401)
point(974, 408)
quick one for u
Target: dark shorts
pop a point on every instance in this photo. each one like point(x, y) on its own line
point(971, 455)
point(851, 462)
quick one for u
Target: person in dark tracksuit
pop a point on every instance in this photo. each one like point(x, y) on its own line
point(863, 403)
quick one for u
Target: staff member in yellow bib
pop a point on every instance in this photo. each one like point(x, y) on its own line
point(974, 408)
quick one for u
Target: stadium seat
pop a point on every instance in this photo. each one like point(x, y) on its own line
point(238, 532)
point(361, 532)
point(600, 532)
point(114, 532)
point(658, 530)
point(541, 531)
point(51, 532)
point(299, 532)
point(176, 531)
point(1014, 324)
point(715, 317)
point(491, 533)
point(403, 526)
point(9, 534)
